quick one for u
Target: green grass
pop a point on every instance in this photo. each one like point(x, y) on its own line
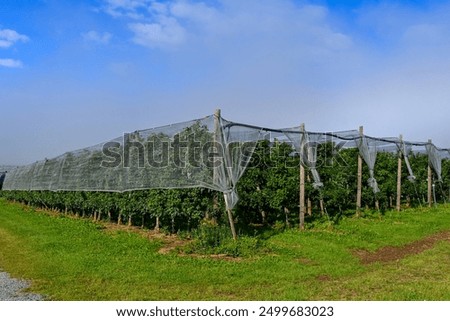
point(74, 259)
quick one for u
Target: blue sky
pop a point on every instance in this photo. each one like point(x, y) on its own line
point(76, 73)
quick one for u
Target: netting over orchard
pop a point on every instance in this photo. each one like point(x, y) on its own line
point(210, 152)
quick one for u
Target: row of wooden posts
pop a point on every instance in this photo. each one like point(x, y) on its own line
point(302, 207)
point(359, 184)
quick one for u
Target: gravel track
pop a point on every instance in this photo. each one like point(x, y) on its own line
point(12, 289)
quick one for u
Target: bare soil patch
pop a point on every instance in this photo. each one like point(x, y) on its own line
point(221, 257)
point(169, 242)
point(394, 253)
point(323, 278)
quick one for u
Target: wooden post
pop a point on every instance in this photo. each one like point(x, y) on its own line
point(302, 185)
point(231, 220)
point(322, 206)
point(399, 176)
point(309, 207)
point(218, 131)
point(308, 200)
point(215, 174)
point(430, 182)
point(359, 179)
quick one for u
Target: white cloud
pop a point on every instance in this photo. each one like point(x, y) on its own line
point(127, 8)
point(11, 63)
point(9, 37)
point(380, 66)
point(407, 62)
point(165, 33)
point(172, 23)
point(94, 36)
point(159, 8)
point(199, 12)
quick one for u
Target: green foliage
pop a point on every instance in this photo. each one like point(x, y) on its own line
point(338, 173)
point(209, 236)
point(215, 239)
point(268, 191)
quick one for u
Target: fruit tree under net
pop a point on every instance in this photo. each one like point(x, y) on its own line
point(210, 152)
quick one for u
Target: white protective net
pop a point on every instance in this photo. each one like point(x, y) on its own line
point(434, 160)
point(210, 152)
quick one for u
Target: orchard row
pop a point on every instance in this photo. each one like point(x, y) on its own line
point(268, 191)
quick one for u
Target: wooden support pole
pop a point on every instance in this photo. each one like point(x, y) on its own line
point(308, 200)
point(359, 179)
point(302, 186)
point(430, 182)
point(322, 206)
point(399, 176)
point(218, 133)
point(302, 197)
point(215, 169)
point(231, 220)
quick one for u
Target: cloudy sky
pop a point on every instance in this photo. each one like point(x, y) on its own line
point(76, 73)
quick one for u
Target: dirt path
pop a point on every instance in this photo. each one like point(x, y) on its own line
point(394, 253)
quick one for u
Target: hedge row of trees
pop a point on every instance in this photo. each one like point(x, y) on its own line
point(268, 191)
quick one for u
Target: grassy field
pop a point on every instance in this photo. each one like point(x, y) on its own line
point(74, 259)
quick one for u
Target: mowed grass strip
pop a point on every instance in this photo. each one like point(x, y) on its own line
point(74, 259)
